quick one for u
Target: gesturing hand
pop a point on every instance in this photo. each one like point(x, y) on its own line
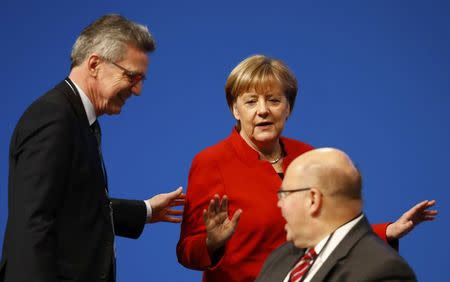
point(411, 219)
point(219, 227)
point(161, 206)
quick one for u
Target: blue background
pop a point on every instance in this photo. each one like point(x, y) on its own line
point(374, 81)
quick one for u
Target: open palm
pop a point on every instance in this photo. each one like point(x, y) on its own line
point(219, 227)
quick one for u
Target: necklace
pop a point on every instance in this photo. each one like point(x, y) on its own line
point(276, 160)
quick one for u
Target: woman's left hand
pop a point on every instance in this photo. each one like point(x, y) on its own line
point(411, 219)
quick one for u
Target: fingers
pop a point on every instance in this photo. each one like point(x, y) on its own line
point(431, 203)
point(431, 213)
point(213, 207)
point(205, 216)
point(219, 208)
point(420, 206)
point(428, 215)
point(416, 209)
point(175, 194)
point(177, 203)
point(224, 204)
point(172, 219)
point(174, 212)
point(236, 217)
point(216, 204)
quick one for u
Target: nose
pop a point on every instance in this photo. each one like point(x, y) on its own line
point(137, 88)
point(279, 203)
point(262, 108)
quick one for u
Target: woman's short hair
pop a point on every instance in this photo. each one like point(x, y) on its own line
point(260, 73)
point(110, 36)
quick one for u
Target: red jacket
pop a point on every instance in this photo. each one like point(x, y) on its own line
point(233, 168)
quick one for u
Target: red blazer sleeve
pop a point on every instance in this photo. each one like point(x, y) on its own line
point(204, 182)
point(380, 230)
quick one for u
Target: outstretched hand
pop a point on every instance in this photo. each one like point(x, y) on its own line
point(219, 227)
point(411, 219)
point(162, 206)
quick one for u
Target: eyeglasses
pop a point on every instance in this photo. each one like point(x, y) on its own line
point(132, 76)
point(282, 194)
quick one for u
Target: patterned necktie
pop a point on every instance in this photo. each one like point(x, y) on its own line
point(302, 266)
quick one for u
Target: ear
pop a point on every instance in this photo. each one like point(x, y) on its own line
point(288, 112)
point(93, 63)
point(316, 202)
point(235, 111)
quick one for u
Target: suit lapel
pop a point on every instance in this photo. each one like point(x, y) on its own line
point(342, 250)
point(280, 262)
point(289, 261)
point(71, 93)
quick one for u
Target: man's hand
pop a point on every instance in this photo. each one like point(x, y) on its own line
point(162, 206)
point(411, 219)
point(219, 227)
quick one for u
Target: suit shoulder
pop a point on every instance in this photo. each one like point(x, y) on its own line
point(286, 247)
point(379, 260)
point(51, 112)
point(281, 258)
point(51, 104)
point(214, 152)
point(283, 250)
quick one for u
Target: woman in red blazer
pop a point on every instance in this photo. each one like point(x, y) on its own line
point(241, 175)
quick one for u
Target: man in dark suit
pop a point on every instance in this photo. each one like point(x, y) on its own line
point(62, 222)
point(329, 239)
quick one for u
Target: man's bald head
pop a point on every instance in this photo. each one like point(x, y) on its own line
point(329, 170)
point(326, 193)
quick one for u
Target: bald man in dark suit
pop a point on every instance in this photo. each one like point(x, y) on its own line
point(329, 238)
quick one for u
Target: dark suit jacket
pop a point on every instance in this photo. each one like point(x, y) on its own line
point(360, 256)
point(59, 225)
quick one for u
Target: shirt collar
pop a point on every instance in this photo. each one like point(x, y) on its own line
point(87, 104)
point(338, 236)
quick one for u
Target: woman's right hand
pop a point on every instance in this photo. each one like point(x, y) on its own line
point(219, 227)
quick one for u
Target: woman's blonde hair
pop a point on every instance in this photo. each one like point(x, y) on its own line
point(260, 73)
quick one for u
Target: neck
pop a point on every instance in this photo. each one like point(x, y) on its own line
point(267, 151)
point(82, 81)
point(331, 226)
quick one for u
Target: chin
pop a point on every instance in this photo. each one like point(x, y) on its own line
point(266, 138)
point(299, 244)
point(114, 111)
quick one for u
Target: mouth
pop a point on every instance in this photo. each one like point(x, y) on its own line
point(123, 97)
point(286, 230)
point(264, 123)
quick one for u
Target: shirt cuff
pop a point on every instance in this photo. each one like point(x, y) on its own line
point(149, 209)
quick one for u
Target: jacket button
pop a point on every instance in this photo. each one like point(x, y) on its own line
point(103, 276)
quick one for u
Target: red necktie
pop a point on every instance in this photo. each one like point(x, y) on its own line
point(302, 266)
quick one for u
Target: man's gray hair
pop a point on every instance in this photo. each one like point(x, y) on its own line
point(109, 37)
